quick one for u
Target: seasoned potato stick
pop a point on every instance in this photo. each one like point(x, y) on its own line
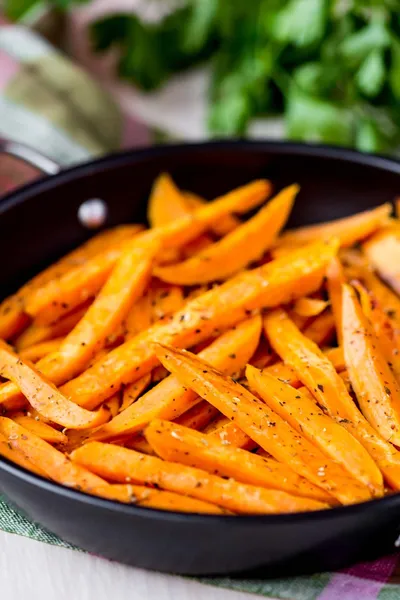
point(263, 356)
point(46, 458)
point(335, 279)
point(383, 252)
point(313, 367)
point(306, 418)
point(197, 246)
point(58, 297)
point(198, 416)
point(230, 433)
point(183, 445)
point(139, 317)
point(125, 285)
point(287, 374)
point(270, 285)
point(133, 390)
point(263, 425)
point(388, 341)
point(140, 444)
point(165, 300)
point(321, 330)
point(13, 317)
point(16, 456)
point(235, 251)
point(376, 388)
point(36, 334)
point(216, 423)
point(309, 307)
point(169, 399)
point(316, 371)
point(348, 230)
point(39, 351)
point(113, 404)
point(12, 310)
point(116, 464)
point(44, 396)
point(223, 226)
point(166, 202)
point(240, 200)
point(41, 429)
point(143, 496)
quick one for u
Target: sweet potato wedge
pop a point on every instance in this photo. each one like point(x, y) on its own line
point(38, 351)
point(141, 495)
point(383, 329)
point(309, 307)
point(13, 317)
point(133, 390)
point(321, 330)
point(287, 374)
point(179, 444)
point(198, 416)
point(235, 251)
point(125, 285)
point(316, 371)
point(376, 388)
point(320, 429)
point(166, 202)
point(169, 399)
point(40, 428)
point(16, 456)
point(44, 396)
point(225, 225)
point(43, 456)
point(348, 230)
point(335, 279)
point(383, 252)
point(263, 425)
point(37, 334)
point(117, 464)
point(270, 285)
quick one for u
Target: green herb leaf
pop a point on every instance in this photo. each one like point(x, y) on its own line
point(301, 22)
point(359, 45)
point(371, 76)
point(201, 25)
point(314, 120)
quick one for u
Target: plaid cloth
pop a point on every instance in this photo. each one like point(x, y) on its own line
point(49, 103)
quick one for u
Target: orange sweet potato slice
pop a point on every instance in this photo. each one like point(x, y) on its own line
point(306, 418)
point(140, 495)
point(245, 244)
point(44, 396)
point(348, 230)
point(263, 425)
point(376, 388)
point(169, 399)
point(317, 372)
point(117, 464)
point(270, 285)
point(43, 456)
point(175, 443)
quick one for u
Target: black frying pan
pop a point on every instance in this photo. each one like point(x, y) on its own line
point(39, 222)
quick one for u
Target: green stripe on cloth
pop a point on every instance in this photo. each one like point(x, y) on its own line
point(294, 588)
point(12, 521)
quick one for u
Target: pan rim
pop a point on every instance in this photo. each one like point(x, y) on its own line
point(46, 183)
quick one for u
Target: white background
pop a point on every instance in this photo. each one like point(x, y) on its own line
point(38, 571)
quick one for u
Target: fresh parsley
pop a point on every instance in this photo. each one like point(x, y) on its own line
point(330, 67)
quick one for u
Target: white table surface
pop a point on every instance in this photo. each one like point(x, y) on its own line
point(34, 570)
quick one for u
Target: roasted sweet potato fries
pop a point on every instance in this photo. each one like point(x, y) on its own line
point(212, 363)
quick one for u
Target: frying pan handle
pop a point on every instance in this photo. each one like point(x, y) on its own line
point(29, 155)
